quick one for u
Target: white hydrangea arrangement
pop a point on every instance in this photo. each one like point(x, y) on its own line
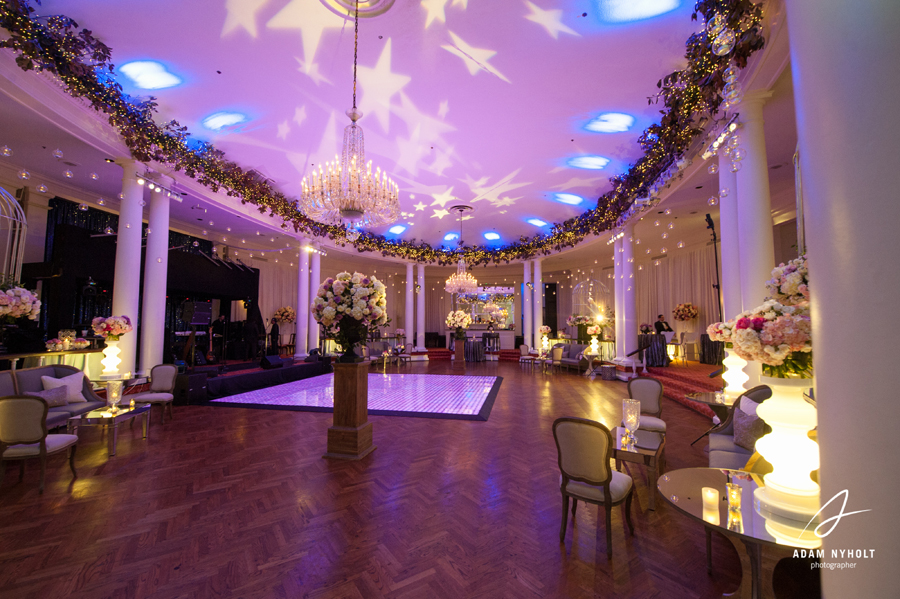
point(347, 305)
point(460, 321)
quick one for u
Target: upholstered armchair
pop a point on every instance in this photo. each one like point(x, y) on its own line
point(584, 448)
point(23, 435)
point(162, 390)
point(649, 392)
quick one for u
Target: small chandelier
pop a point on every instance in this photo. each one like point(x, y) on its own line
point(461, 282)
point(345, 192)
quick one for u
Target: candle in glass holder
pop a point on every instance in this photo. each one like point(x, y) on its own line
point(710, 498)
point(631, 415)
point(735, 522)
point(720, 397)
point(734, 496)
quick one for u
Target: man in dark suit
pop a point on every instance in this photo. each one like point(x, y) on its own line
point(661, 325)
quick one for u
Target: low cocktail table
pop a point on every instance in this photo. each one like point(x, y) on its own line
point(103, 417)
point(647, 449)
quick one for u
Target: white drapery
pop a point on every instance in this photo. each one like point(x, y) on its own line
point(684, 276)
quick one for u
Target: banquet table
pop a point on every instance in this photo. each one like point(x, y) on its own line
point(654, 350)
point(711, 352)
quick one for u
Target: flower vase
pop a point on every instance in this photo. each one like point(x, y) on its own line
point(790, 498)
point(734, 376)
point(350, 337)
point(111, 359)
point(595, 345)
point(545, 343)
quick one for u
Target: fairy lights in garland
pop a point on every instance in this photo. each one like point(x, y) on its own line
point(81, 62)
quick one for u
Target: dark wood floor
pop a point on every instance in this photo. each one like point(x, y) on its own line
point(227, 502)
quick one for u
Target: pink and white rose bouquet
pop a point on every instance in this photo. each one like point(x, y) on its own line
point(595, 330)
point(544, 330)
point(111, 327)
point(577, 319)
point(685, 311)
point(286, 315)
point(789, 284)
point(18, 302)
point(54, 344)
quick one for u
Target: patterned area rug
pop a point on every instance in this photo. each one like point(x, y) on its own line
point(416, 395)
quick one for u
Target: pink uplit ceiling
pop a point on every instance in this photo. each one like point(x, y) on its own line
point(465, 101)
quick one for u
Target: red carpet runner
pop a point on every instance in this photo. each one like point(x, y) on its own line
point(679, 380)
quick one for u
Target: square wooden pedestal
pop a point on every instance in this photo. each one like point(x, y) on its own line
point(350, 437)
point(459, 360)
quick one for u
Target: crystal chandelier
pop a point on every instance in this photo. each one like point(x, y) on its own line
point(461, 282)
point(346, 191)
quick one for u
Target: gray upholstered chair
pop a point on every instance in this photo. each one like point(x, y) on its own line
point(162, 390)
point(584, 448)
point(23, 435)
point(692, 341)
point(649, 392)
point(525, 356)
point(555, 357)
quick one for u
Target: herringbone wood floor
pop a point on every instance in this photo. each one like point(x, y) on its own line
point(227, 502)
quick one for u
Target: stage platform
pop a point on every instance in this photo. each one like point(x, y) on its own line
point(242, 381)
point(416, 395)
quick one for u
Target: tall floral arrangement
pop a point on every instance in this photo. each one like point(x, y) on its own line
point(459, 321)
point(285, 315)
point(544, 330)
point(111, 327)
point(18, 302)
point(347, 305)
point(789, 284)
point(778, 334)
point(577, 320)
point(595, 330)
point(685, 311)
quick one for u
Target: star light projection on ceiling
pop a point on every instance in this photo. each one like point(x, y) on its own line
point(522, 109)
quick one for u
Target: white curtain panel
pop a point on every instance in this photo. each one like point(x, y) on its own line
point(277, 288)
point(685, 276)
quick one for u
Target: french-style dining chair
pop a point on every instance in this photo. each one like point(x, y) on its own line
point(23, 435)
point(525, 356)
point(584, 448)
point(649, 392)
point(162, 390)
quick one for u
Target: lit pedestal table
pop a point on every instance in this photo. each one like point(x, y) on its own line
point(744, 527)
point(350, 437)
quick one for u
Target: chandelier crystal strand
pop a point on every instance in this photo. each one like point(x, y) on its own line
point(346, 191)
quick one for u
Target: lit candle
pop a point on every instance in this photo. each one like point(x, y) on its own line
point(711, 505)
point(734, 496)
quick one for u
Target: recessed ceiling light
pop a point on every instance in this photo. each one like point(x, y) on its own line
point(623, 11)
point(588, 162)
point(451, 236)
point(610, 122)
point(397, 229)
point(149, 74)
point(221, 120)
point(568, 198)
point(536, 222)
point(491, 236)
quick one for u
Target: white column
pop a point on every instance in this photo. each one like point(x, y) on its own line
point(420, 309)
point(527, 293)
point(315, 260)
point(728, 238)
point(848, 164)
point(127, 278)
point(629, 296)
point(301, 338)
point(538, 302)
point(619, 299)
point(409, 318)
point(754, 206)
point(156, 268)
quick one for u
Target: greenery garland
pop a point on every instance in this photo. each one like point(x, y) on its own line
point(82, 62)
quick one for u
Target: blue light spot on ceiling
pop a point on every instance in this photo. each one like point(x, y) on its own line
point(568, 198)
point(624, 11)
point(588, 162)
point(397, 229)
point(451, 236)
point(221, 120)
point(610, 122)
point(149, 74)
point(536, 222)
point(491, 236)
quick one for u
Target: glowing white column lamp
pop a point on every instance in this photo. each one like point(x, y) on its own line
point(111, 359)
point(790, 498)
point(734, 375)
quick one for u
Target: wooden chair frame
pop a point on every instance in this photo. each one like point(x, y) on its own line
point(607, 503)
point(43, 447)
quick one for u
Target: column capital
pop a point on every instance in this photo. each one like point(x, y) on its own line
point(750, 108)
